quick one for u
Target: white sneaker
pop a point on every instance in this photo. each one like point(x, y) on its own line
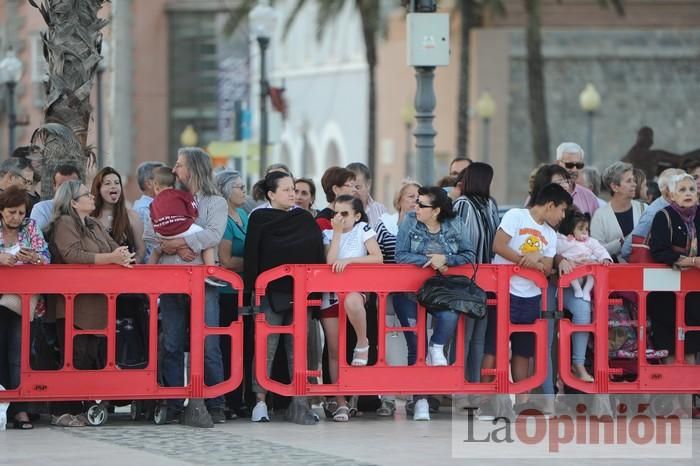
point(436, 357)
point(260, 412)
point(421, 410)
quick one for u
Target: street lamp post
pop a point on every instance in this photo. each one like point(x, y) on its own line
point(589, 99)
point(11, 73)
point(101, 68)
point(263, 19)
point(408, 115)
point(485, 108)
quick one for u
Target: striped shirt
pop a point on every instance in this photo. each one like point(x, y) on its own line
point(374, 211)
point(387, 243)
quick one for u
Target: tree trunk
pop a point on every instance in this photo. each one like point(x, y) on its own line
point(536, 84)
point(468, 19)
point(72, 47)
point(369, 14)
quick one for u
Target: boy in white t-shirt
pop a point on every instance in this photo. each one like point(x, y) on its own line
point(351, 241)
point(526, 237)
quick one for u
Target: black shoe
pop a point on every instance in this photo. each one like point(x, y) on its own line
point(218, 416)
point(433, 404)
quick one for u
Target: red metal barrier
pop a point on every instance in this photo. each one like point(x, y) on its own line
point(113, 383)
point(639, 280)
point(381, 378)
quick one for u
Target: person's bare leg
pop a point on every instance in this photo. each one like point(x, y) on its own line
point(330, 329)
point(357, 315)
point(519, 366)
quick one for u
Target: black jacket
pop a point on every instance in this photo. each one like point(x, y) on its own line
point(277, 237)
point(667, 245)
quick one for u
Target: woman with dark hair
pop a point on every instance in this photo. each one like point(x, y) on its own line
point(21, 242)
point(432, 236)
point(335, 181)
point(276, 236)
point(545, 175)
point(124, 225)
point(479, 212)
point(305, 194)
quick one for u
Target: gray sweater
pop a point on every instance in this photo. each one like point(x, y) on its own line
point(212, 216)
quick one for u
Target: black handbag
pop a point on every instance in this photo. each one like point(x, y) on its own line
point(453, 292)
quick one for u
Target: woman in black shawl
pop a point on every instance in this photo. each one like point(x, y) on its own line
point(276, 236)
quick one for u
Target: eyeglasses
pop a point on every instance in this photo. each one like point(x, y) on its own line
point(424, 206)
point(82, 195)
point(240, 186)
point(578, 165)
point(350, 185)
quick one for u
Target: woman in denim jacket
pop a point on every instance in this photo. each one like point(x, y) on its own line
point(432, 237)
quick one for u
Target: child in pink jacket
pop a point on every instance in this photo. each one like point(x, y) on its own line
point(575, 245)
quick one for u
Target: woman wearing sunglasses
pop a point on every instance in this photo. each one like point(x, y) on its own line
point(432, 236)
point(351, 241)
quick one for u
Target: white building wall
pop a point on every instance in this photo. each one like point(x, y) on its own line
point(326, 91)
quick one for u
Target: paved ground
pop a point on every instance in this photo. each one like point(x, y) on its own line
point(366, 440)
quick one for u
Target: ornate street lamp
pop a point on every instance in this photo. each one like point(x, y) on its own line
point(589, 99)
point(263, 20)
point(485, 109)
point(10, 75)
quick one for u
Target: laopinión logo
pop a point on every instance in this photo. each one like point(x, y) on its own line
point(576, 426)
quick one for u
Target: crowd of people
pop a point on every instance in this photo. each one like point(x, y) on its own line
point(192, 214)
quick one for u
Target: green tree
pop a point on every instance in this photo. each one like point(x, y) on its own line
point(72, 46)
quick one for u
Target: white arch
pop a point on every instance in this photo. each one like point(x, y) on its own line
point(332, 140)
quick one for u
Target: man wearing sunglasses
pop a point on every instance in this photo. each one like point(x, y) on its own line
point(570, 156)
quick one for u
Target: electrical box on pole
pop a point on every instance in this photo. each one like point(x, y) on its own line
point(428, 39)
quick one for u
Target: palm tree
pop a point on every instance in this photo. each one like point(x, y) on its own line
point(328, 10)
point(72, 46)
point(535, 76)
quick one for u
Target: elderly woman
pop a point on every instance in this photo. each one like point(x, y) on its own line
point(21, 242)
point(612, 223)
point(231, 250)
point(431, 236)
point(673, 240)
point(76, 238)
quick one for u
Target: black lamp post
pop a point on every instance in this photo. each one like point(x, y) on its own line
point(11, 73)
point(263, 19)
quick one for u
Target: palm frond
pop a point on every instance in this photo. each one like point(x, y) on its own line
point(298, 6)
point(328, 10)
point(237, 16)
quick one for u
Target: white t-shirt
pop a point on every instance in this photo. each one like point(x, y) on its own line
point(526, 236)
point(352, 243)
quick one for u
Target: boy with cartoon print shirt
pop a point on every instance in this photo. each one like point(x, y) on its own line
point(526, 237)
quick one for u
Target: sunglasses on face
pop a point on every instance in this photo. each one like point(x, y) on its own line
point(578, 165)
point(424, 206)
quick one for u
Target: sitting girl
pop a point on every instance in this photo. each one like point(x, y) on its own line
point(351, 241)
point(575, 245)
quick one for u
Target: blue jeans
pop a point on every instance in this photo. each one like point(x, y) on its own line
point(474, 339)
point(406, 312)
point(173, 312)
point(581, 311)
point(445, 326)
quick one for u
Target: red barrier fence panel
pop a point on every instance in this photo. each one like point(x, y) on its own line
point(383, 280)
point(113, 382)
point(630, 285)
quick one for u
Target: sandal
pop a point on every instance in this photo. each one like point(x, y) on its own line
point(66, 420)
point(358, 361)
point(342, 414)
point(330, 407)
point(386, 409)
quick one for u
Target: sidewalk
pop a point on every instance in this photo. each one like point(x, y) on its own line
point(364, 440)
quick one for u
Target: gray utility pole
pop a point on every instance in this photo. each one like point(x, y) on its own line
point(428, 46)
